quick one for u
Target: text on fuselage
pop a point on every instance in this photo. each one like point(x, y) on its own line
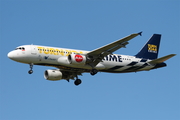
point(55, 51)
point(115, 58)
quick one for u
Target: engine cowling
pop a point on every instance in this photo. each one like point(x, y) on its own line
point(53, 75)
point(77, 59)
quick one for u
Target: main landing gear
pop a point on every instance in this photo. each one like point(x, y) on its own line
point(77, 81)
point(31, 67)
point(94, 71)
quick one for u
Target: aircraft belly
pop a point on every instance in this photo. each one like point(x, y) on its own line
point(146, 68)
point(126, 66)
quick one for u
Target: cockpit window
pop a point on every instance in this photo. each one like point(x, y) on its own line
point(20, 48)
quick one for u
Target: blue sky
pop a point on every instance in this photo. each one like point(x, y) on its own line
point(87, 25)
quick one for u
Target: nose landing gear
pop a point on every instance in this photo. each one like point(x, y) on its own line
point(31, 67)
point(30, 71)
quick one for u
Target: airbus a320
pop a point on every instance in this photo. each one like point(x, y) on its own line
point(71, 63)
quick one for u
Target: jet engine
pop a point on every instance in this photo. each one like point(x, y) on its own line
point(53, 75)
point(77, 59)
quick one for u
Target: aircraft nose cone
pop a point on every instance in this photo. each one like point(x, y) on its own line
point(10, 55)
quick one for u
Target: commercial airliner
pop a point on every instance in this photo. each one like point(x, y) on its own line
point(71, 63)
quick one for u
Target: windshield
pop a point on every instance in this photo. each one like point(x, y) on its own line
point(20, 48)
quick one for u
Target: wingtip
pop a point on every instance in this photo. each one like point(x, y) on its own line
point(173, 54)
point(140, 33)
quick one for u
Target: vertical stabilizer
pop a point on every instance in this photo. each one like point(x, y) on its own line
point(151, 48)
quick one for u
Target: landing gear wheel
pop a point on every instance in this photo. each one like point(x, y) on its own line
point(93, 72)
point(30, 71)
point(77, 82)
point(31, 67)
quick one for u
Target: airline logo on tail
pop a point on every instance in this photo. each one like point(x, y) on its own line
point(152, 48)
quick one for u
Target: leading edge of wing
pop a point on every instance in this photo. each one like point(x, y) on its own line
point(114, 45)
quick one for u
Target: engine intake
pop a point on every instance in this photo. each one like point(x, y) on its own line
point(53, 75)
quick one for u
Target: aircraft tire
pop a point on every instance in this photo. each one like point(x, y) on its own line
point(77, 82)
point(93, 72)
point(30, 71)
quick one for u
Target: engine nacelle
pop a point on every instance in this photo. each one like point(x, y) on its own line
point(53, 75)
point(77, 59)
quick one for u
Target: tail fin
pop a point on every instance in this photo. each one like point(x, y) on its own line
point(151, 48)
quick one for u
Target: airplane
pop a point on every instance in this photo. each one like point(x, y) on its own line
point(71, 63)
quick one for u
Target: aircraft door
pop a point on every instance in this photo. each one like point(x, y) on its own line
point(33, 50)
point(35, 53)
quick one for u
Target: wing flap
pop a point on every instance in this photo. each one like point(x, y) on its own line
point(162, 59)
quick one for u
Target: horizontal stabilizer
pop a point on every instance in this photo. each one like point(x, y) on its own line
point(162, 59)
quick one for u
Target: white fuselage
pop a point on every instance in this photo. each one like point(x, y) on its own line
point(58, 57)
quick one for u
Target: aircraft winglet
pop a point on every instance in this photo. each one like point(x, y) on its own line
point(140, 33)
point(162, 59)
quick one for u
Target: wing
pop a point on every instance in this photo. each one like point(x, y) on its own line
point(97, 55)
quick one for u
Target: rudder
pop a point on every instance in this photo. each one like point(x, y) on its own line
point(151, 48)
